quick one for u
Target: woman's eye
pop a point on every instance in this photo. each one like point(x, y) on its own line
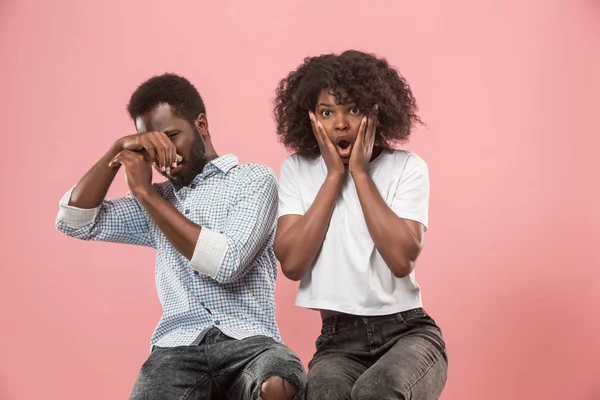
point(326, 113)
point(354, 111)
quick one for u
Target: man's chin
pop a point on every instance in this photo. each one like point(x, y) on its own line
point(186, 175)
point(182, 179)
point(179, 177)
point(178, 173)
point(174, 179)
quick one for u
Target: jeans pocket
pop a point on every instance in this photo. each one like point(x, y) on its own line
point(412, 316)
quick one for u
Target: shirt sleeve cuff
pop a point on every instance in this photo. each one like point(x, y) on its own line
point(290, 211)
point(413, 217)
point(75, 217)
point(211, 249)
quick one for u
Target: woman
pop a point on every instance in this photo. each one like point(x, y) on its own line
point(353, 214)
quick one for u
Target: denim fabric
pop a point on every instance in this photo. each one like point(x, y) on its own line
point(399, 356)
point(218, 368)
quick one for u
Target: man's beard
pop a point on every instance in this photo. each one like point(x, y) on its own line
point(196, 163)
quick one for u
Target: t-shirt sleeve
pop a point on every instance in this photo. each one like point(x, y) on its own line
point(290, 201)
point(411, 198)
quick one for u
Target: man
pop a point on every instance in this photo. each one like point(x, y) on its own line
point(212, 224)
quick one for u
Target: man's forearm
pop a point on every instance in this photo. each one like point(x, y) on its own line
point(92, 188)
point(180, 231)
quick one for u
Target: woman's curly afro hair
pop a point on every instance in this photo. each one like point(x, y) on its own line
point(351, 76)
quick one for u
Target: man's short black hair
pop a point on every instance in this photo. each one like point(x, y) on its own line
point(171, 89)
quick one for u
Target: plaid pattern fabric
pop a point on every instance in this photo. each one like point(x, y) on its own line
point(236, 206)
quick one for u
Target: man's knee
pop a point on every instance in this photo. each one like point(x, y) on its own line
point(277, 388)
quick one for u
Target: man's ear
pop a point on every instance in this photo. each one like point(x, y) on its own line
point(202, 126)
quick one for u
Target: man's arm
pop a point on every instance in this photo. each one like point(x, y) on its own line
point(92, 188)
point(398, 240)
point(85, 215)
point(223, 256)
point(121, 220)
point(180, 231)
point(249, 225)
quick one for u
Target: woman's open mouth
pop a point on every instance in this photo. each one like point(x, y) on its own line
point(344, 147)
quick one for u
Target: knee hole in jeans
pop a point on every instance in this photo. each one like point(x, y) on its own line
point(277, 388)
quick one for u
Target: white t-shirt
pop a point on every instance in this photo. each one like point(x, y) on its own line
point(349, 275)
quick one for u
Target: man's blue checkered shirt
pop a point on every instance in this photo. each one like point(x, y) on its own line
point(230, 281)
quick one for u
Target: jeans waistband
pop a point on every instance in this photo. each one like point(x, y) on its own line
point(348, 321)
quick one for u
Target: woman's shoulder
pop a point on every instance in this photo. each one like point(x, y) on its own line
point(404, 159)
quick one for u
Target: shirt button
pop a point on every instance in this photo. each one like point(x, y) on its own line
point(202, 303)
point(193, 186)
point(217, 322)
point(187, 211)
point(196, 272)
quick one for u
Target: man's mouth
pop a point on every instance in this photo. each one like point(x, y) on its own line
point(178, 168)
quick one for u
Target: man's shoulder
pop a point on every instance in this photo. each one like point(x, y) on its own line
point(252, 171)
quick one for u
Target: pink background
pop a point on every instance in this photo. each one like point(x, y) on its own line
point(510, 94)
